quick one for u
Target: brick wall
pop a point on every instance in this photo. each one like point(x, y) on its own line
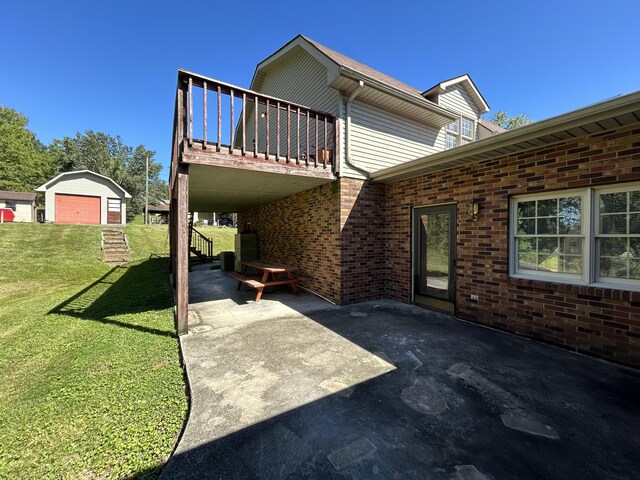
point(595, 321)
point(302, 230)
point(334, 233)
point(362, 235)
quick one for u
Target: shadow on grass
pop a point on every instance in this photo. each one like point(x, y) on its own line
point(137, 288)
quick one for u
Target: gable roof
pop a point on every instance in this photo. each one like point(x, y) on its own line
point(45, 186)
point(465, 82)
point(344, 74)
point(348, 62)
point(21, 196)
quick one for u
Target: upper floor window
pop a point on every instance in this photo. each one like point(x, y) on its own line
point(589, 236)
point(453, 127)
point(467, 128)
point(460, 132)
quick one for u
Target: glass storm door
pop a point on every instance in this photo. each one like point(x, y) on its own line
point(434, 256)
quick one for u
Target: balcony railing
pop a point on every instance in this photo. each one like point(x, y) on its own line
point(249, 124)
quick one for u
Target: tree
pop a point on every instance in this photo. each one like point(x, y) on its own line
point(24, 162)
point(503, 120)
point(107, 155)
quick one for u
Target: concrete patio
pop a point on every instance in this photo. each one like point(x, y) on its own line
point(294, 387)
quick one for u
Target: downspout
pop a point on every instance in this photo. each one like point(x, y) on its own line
point(347, 141)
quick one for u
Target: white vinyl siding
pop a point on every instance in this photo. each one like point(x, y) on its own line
point(380, 139)
point(457, 99)
point(23, 210)
point(299, 79)
point(85, 184)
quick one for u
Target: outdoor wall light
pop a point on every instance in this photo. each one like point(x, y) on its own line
point(474, 208)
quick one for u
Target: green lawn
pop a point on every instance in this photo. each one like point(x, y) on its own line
point(90, 382)
point(223, 240)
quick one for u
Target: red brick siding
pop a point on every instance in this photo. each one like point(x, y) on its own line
point(595, 321)
point(302, 230)
point(362, 227)
point(334, 233)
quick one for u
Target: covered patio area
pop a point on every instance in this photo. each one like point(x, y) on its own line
point(294, 387)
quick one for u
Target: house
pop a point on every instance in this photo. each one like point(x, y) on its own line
point(160, 213)
point(376, 189)
point(84, 197)
point(23, 205)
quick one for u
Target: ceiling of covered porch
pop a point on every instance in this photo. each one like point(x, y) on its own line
point(224, 189)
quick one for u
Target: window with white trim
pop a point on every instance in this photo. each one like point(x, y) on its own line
point(589, 236)
point(459, 132)
point(467, 128)
point(11, 204)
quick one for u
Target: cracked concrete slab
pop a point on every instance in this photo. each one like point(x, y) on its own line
point(260, 408)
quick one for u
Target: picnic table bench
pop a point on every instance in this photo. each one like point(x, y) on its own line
point(272, 274)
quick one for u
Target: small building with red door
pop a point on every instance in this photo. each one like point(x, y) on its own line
point(84, 197)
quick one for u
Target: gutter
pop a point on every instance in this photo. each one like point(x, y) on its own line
point(600, 111)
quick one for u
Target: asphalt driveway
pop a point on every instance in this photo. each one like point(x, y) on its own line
point(293, 387)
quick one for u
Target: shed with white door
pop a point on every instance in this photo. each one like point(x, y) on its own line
point(84, 197)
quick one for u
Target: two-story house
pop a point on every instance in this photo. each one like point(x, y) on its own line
point(376, 189)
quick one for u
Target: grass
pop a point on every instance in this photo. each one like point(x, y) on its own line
point(91, 385)
point(223, 237)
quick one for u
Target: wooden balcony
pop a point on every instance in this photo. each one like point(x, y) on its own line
point(218, 124)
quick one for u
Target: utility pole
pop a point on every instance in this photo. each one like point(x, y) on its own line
point(146, 194)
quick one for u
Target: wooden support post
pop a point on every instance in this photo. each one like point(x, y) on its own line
point(204, 115)
point(182, 251)
point(219, 118)
point(232, 123)
point(190, 93)
point(298, 137)
point(172, 234)
point(325, 153)
point(288, 132)
point(255, 128)
point(244, 123)
point(315, 160)
point(267, 128)
point(277, 131)
point(306, 156)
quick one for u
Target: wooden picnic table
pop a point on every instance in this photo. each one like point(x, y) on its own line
point(272, 274)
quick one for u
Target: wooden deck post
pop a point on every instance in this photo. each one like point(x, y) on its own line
point(172, 237)
point(182, 251)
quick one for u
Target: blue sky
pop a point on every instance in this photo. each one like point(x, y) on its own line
point(111, 66)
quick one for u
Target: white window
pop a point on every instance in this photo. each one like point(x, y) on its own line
point(617, 236)
point(467, 128)
point(453, 127)
point(459, 132)
point(556, 238)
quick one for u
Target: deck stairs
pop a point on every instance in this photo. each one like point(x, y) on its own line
point(115, 247)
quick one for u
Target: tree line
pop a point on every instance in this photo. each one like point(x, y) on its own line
point(26, 163)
